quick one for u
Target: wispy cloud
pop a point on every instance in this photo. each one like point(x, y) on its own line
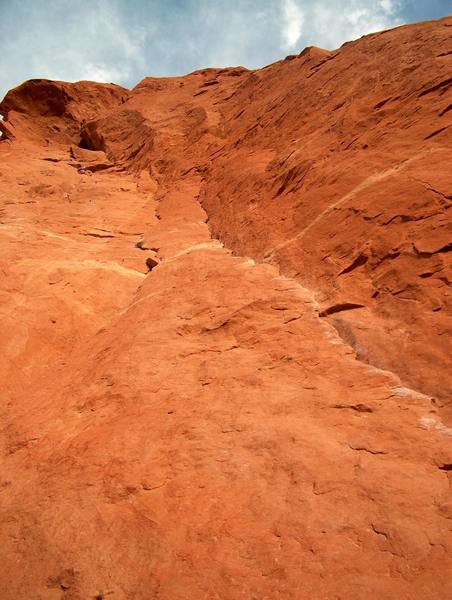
point(293, 19)
point(102, 73)
point(126, 40)
point(332, 22)
point(69, 41)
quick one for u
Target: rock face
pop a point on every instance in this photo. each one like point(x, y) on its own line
point(226, 319)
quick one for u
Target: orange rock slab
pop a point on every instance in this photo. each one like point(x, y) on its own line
point(225, 324)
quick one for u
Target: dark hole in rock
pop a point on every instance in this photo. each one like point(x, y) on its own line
point(142, 246)
point(84, 144)
point(331, 310)
point(446, 467)
point(151, 263)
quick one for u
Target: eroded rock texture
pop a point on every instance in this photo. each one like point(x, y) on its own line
point(225, 323)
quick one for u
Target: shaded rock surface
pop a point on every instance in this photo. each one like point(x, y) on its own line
point(225, 322)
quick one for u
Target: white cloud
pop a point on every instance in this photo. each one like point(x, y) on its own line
point(102, 73)
point(293, 20)
point(72, 42)
point(331, 23)
point(387, 6)
point(106, 40)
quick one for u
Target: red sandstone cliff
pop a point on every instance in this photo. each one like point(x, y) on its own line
point(226, 320)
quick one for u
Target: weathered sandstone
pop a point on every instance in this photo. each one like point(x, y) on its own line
point(226, 330)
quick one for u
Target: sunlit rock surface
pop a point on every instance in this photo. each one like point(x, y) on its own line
point(226, 330)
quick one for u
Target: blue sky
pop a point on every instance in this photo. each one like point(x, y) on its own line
point(125, 40)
